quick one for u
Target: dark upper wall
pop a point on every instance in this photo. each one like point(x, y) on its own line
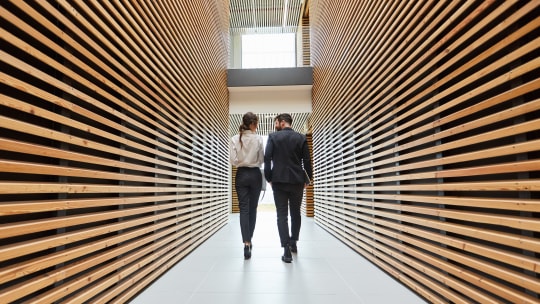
point(270, 77)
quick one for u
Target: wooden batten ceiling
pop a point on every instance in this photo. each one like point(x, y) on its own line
point(265, 16)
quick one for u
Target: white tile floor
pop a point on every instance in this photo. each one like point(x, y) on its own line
point(324, 271)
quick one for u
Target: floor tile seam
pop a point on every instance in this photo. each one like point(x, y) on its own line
point(201, 282)
point(244, 292)
point(342, 278)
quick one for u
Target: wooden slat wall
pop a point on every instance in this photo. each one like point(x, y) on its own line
point(113, 144)
point(235, 207)
point(426, 136)
point(306, 55)
point(308, 206)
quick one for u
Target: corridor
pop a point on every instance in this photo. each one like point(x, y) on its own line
point(422, 119)
point(324, 271)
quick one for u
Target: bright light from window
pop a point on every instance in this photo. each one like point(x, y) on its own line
point(268, 51)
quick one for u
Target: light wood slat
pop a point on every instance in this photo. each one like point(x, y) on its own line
point(19, 249)
point(26, 227)
point(415, 35)
point(473, 202)
point(128, 291)
point(494, 236)
point(56, 135)
point(307, 206)
point(22, 207)
point(499, 151)
point(478, 217)
point(306, 54)
point(526, 68)
point(517, 34)
point(42, 188)
point(50, 97)
point(235, 207)
point(435, 294)
point(165, 63)
point(179, 90)
point(30, 168)
point(492, 252)
point(506, 114)
point(186, 83)
point(425, 135)
point(503, 185)
point(418, 35)
point(37, 264)
point(369, 245)
point(524, 166)
point(88, 55)
point(177, 248)
point(488, 267)
point(66, 272)
point(204, 105)
point(150, 69)
point(32, 149)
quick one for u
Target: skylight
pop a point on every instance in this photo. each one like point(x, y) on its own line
point(268, 51)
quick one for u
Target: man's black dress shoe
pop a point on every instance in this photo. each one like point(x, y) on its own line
point(294, 249)
point(247, 252)
point(287, 256)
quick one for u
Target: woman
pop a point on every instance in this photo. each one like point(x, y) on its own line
point(247, 155)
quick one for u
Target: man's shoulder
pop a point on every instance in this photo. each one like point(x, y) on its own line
point(298, 134)
point(276, 134)
point(287, 132)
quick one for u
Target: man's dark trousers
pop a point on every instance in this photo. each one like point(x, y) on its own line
point(288, 196)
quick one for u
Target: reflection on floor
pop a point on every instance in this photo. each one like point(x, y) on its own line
point(323, 271)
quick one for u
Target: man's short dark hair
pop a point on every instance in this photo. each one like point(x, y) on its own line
point(284, 117)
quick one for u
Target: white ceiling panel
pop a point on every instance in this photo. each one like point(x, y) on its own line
point(265, 16)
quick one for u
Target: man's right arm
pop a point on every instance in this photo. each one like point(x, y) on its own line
point(306, 159)
point(268, 154)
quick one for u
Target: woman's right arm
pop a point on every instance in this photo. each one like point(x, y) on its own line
point(233, 156)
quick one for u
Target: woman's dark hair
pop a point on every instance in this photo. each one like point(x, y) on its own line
point(247, 120)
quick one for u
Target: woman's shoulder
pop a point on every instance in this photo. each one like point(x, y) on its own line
point(235, 138)
point(251, 134)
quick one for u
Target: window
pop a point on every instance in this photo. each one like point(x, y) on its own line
point(268, 51)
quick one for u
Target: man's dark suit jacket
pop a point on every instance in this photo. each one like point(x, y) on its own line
point(286, 156)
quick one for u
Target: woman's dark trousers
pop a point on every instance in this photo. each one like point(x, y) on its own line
point(248, 188)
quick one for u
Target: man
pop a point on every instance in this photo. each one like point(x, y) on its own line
point(285, 159)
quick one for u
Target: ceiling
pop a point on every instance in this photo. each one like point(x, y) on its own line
point(266, 16)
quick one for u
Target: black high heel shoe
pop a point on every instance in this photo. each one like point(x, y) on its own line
point(247, 252)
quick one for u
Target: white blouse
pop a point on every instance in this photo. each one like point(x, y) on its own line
point(250, 154)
